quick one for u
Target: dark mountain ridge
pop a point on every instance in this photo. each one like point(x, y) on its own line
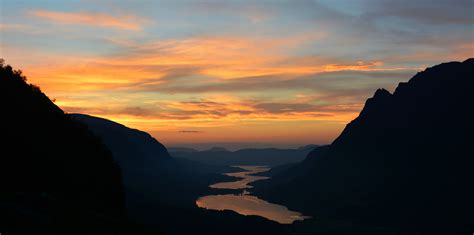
point(404, 164)
point(54, 173)
point(131, 147)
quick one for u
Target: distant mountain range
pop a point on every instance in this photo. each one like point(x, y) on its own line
point(403, 166)
point(222, 156)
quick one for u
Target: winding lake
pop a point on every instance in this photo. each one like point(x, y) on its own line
point(244, 203)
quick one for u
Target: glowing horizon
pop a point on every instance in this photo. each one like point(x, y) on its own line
point(283, 72)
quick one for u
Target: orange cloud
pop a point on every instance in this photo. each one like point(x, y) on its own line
point(91, 19)
point(217, 58)
point(211, 112)
point(236, 57)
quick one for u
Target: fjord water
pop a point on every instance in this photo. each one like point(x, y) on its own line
point(244, 203)
point(247, 177)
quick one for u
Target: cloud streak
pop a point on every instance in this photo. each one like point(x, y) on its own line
point(190, 132)
point(90, 19)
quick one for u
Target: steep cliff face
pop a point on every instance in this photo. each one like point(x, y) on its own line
point(405, 162)
point(51, 167)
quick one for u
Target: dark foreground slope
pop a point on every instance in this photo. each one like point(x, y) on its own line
point(222, 156)
point(405, 165)
point(161, 191)
point(55, 176)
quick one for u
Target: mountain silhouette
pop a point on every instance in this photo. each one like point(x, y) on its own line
point(222, 156)
point(56, 177)
point(403, 166)
point(130, 147)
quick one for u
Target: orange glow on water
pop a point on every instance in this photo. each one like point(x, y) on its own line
point(246, 204)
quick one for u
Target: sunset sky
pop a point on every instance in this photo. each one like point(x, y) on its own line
point(280, 73)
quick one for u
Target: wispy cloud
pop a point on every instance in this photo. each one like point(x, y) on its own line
point(190, 131)
point(91, 19)
point(228, 109)
point(200, 65)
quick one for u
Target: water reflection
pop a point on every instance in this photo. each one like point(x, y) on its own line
point(245, 203)
point(246, 176)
